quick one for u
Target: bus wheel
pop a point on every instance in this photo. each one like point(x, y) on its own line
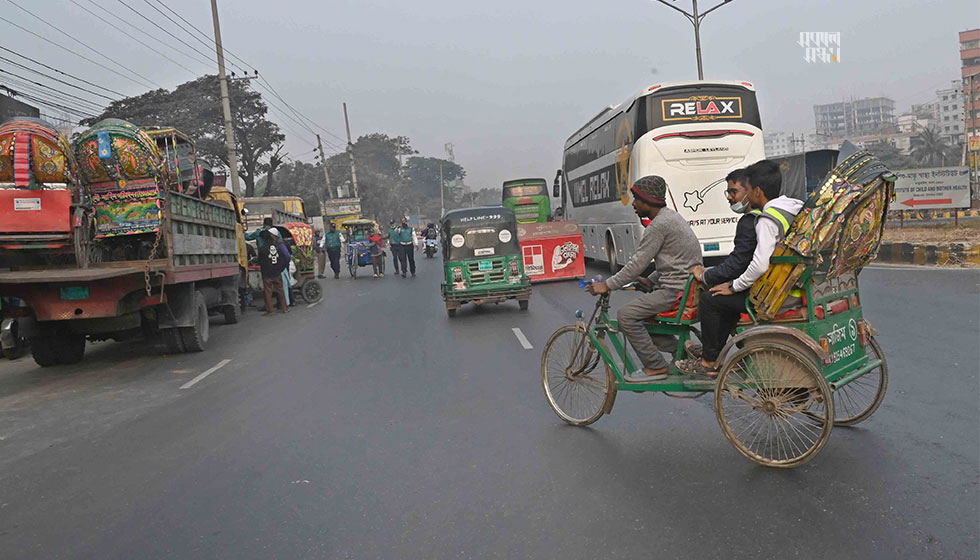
point(611, 255)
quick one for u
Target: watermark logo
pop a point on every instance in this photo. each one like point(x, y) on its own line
point(820, 46)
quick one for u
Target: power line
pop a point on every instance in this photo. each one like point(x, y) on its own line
point(48, 102)
point(53, 69)
point(47, 87)
point(52, 78)
point(205, 35)
point(126, 33)
point(80, 42)
point(64, 48)
point(158, 26)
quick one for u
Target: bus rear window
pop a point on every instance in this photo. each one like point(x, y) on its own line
point(525, 190)
point(709, 104)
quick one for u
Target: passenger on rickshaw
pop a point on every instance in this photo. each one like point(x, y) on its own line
point(720, 307)
point(669, 240)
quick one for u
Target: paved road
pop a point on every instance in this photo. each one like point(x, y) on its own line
point(372, 426)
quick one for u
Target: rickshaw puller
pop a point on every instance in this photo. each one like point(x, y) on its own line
point(670, 241)
point(720, 308)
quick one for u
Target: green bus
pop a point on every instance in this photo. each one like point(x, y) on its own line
point(528, 199)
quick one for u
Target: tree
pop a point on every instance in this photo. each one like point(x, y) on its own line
point(892, 157)
point(932, 151)
point(195, 108)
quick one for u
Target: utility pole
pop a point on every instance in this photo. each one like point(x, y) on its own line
point(442, 194)
point(323, 161)
point(350, 150)
point(695, 20)
point(225, 104)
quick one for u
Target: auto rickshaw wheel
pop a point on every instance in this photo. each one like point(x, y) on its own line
point(773, 404)
point(577, 389)
point(311, 290)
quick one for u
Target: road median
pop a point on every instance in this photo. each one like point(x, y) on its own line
point(929, 253)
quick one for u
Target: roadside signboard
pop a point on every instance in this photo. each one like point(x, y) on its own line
point(937, 187)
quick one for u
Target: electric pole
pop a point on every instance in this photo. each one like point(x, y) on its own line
point(225, 104)
point(695, 20)
point(350, 150)
point(442, 194)
point(323, 161)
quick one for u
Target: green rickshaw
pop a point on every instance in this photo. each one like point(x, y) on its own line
point(791, 372)
point(482, 258)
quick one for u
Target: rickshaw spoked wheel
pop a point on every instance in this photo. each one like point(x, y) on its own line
point(576, 388)
point(858, 400)
point(773, 404)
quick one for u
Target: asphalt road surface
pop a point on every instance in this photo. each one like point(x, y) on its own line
point(373, 426)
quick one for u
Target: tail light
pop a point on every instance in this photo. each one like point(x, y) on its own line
point(863, 333)
point(854, 301)
point(457, 274)
point(514, 270)
point(819, 312)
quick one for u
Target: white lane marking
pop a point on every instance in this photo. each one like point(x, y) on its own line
point(217, 366)
point(522, 339)
point(314, 303)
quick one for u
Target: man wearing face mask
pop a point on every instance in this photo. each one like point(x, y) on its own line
point(766, 224)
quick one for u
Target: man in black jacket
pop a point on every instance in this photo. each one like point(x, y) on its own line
point(733, 266)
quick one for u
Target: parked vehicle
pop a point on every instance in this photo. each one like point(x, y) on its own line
point(298, 237)
point(482, 259)
point(281, 209)
point(159, 259)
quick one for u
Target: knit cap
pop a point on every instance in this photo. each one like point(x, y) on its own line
point(651, 189)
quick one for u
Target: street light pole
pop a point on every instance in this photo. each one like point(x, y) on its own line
point(695, 20)
point(225, 104)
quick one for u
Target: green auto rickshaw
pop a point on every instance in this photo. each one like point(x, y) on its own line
point(482, 258)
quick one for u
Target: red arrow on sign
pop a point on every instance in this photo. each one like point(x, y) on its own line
point(924, 201)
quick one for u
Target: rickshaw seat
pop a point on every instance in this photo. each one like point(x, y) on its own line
point(793, 315)
point(690, 313)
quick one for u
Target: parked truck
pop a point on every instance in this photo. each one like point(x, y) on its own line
point(162, 258)
point(281, 209)
point(340, 210)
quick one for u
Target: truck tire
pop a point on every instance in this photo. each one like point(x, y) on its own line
point(71, 349)
point(173, 340)
point(196, 337)
point(233, 313)
point(44, 350)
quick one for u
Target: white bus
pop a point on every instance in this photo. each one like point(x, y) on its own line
point(692, 134)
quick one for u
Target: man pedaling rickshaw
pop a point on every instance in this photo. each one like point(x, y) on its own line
point(720, 306)
point(668, 240)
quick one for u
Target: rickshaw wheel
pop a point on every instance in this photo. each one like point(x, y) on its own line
point(311, 291)
point(859, 399)
point(578, 390)
point(773, 405)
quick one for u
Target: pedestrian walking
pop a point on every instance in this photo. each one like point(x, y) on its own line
point(394, 244)
point(331, 244)
point(273, 260)
point(321, 253)
point(376, 246)
point(408, 243)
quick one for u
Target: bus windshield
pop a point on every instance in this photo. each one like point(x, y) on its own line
point(525, 190)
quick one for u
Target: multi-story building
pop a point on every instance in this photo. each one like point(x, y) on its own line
point(949, 122)
point(869, 115)
point(970, 75)
point(780, 144)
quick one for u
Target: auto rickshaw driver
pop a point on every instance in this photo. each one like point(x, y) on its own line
point(668, 240)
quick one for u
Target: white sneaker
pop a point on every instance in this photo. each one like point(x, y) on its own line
point(375, 275)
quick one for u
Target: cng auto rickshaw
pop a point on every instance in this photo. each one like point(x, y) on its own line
point(788, 375)
point(482, 258)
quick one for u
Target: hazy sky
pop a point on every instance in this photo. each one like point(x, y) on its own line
point(508, 81)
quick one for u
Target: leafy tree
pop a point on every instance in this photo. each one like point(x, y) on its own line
point(891, 156)
point(195, 108)
point(931, 150)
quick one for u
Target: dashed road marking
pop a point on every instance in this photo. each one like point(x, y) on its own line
point(522, 339)
point(217, 366)
point(314, 303)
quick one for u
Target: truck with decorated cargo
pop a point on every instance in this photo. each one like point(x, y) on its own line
point(136, 247)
